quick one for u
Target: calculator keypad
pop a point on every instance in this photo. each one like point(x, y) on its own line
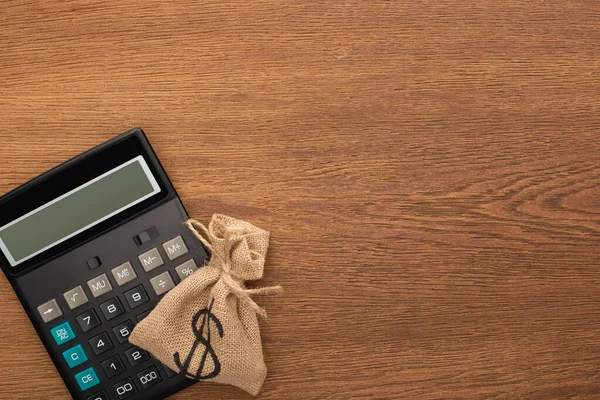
point(128, 360)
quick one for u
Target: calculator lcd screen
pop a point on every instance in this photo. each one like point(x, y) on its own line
point(77, 210)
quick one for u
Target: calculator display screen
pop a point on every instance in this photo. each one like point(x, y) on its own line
point(77, 210)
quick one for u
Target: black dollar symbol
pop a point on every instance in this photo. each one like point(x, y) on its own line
point(207, 316)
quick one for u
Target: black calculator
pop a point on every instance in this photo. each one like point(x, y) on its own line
point(90, 247)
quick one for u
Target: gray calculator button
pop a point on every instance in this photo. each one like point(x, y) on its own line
point(175, 247)
point(151, 259)
point(49, 310)
point(99, 285)
point(124, 273)
point(75, 297)
point(162, 283)
point(186, 269)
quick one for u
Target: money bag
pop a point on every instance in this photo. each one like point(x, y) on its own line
point(206, 328)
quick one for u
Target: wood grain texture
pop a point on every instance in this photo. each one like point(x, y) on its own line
point(428, 170)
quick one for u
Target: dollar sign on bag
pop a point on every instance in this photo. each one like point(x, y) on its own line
point(207, 317)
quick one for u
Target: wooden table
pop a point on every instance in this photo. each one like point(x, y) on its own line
point(428, 170)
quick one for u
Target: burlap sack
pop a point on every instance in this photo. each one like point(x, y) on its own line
point(206, 328)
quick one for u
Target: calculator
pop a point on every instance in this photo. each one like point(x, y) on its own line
point(90, 247)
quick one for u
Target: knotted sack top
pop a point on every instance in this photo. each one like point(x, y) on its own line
point(238, 249)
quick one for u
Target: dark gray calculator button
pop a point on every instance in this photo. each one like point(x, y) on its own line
point(113, 366)
point(146, 236)
point(94, 262)
point(100, 343)
point(151, 259)
point(125, 389)
point(123, 273)
point(143, 315)
point(99, 285)
point(88, 320)
point(149, 377)
point(75, 297)
point(170, 373)
point(49, 311)
point(136, 356)
point(136, 296)
point(111, 308)
point(99, 396)
point(162, 283)
point(122, 331)
point(175, 247)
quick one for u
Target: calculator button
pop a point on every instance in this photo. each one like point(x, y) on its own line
point(87, 379)
point(146, 236)
point(186, 269)
point(124, 273)
point(170, 373)
point(62, 333)
point(136, 356)
point(136, 296)
point(122, 331)
point(125, 389)
point(113, 366)
point(143, 315)
point(162, 283)
point(111, 308)
point(94, 262)
point(99, 396)
point(75, 356)
point(88, 320)
point(99, 285)
point(49, 311)
point(100, 343)
point(149, 377)
point(75, 297)
point(151, 259)
point(175, 247)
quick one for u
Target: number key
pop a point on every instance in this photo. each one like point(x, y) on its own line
point(88, 320)
point(100, 343)
point(122, 331)
point(113, 366)
point(111, 308)
point(125, 389)
point(136, 356)
point(136, 296)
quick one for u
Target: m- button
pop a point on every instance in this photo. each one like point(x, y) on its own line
point(150, 259)
point(175, 247)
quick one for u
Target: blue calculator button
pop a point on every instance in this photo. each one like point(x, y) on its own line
point(75, 356)
point(62, 333)
point(87, 379)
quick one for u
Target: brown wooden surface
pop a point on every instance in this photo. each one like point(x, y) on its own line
point(428, 170)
